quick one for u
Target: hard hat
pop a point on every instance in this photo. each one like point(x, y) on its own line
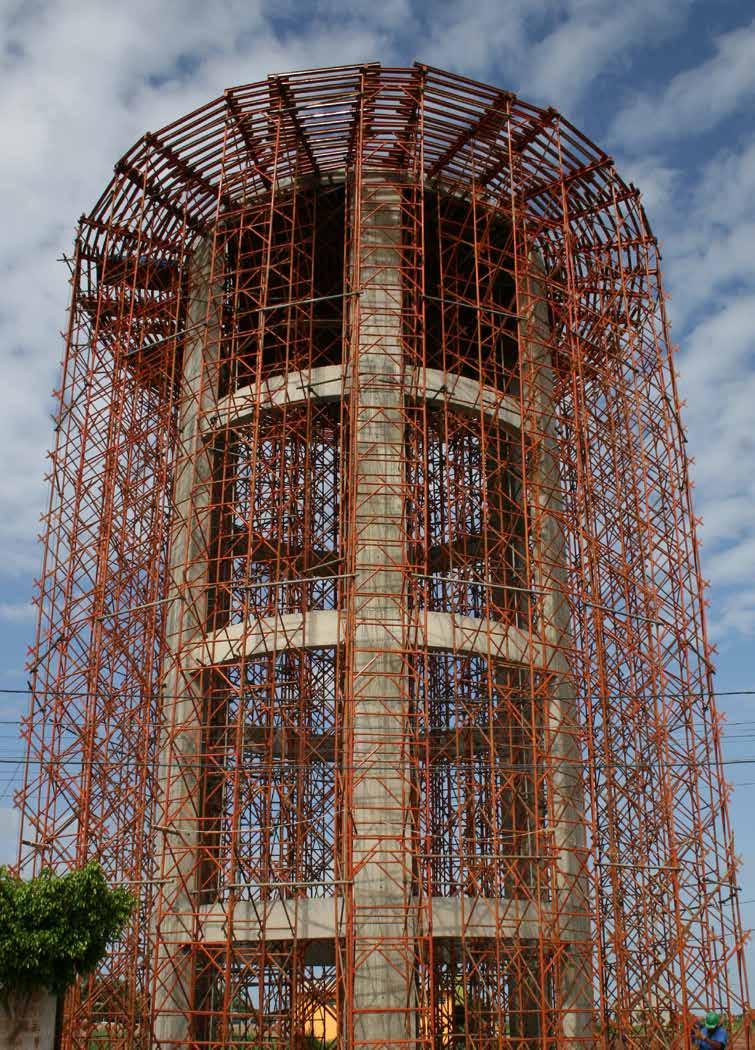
point(712, 1019)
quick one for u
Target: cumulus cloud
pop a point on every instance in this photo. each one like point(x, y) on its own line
point(696, 99)
point(16, 612)
point(550, 50)
point(81, 82)
point(702, 206)
point(709, 266)
point(589, 38)
point(657, 179)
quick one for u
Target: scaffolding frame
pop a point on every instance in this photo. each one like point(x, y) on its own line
point(230, 662)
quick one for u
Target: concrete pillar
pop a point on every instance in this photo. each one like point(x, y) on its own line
point(571, 925)
point(28, 1022)
point(383, 1004)
point(186, 623)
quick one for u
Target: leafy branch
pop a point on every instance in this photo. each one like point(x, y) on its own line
point(54, 928)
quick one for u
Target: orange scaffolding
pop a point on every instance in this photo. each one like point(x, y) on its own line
point(371, 647)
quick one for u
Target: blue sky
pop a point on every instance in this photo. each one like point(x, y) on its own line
point(667, 88)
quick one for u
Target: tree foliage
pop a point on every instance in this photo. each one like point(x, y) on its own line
point(54, 928)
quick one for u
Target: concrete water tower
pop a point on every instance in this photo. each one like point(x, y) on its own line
point(372, 586)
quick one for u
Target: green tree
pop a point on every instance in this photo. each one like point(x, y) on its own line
point(54, 928)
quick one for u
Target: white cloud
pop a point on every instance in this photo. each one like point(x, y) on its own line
point(81, 82)
point(710, 229)
point(696, 99)
point(551, 50)
point(710, 249)
point(16, 612)
point(728, 177)
point(720, 347)
point(471, 37)
point(657, 179)
point(592, 37)
point(733, 617)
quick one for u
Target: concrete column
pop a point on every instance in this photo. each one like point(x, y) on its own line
point(28, 1022)
point(186, 623)
point(383, 1004)
point(572, 925)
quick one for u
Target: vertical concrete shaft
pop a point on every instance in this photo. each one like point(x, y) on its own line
point(186, 621)
point(383, 1010)
point(572, 926)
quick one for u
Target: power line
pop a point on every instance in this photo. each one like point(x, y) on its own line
point(82, 693)
point(276, 762)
